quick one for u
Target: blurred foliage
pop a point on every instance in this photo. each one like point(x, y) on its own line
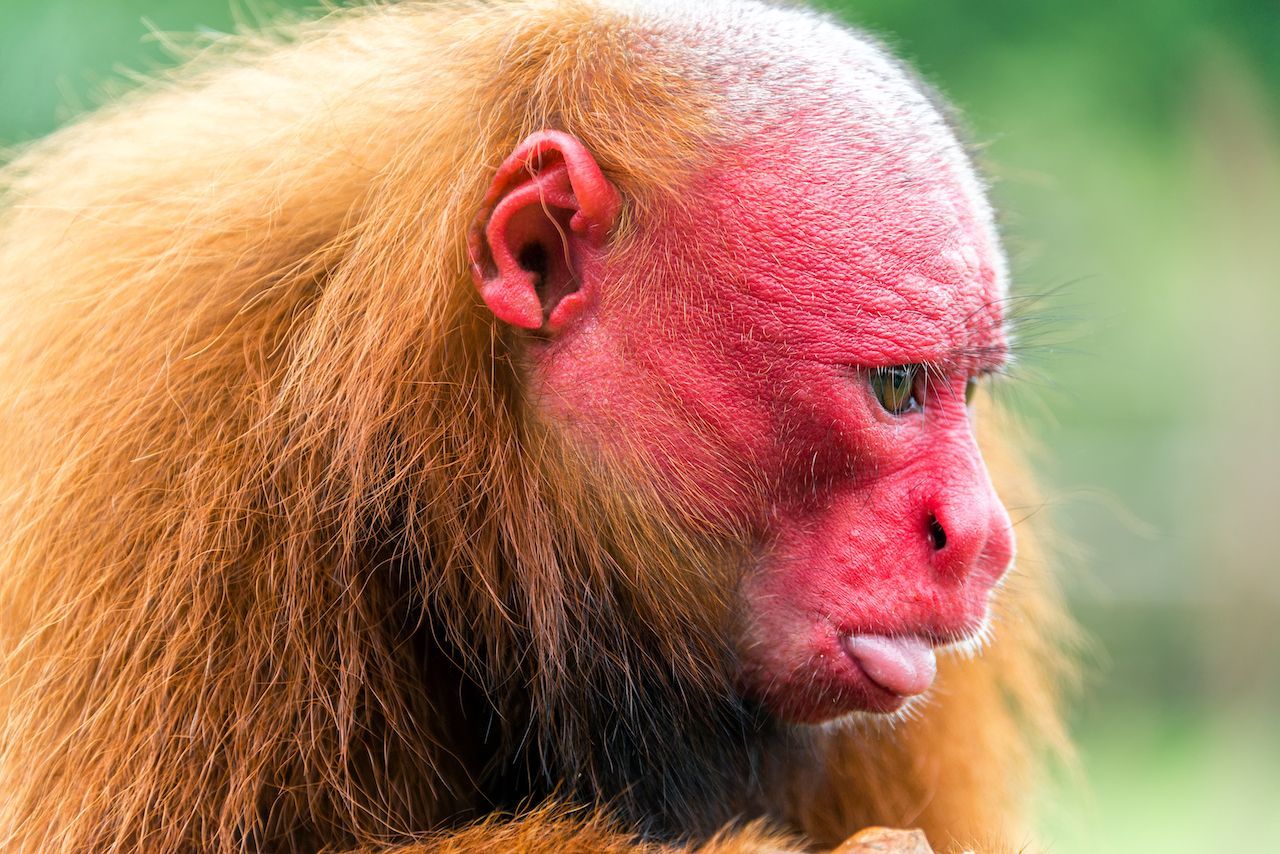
point(1135, 153)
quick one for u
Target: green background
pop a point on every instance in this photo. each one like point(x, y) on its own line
point(1134, 150)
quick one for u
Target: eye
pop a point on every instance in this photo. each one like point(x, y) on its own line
point(895, 388)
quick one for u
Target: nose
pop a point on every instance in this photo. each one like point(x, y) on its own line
point(969, 531)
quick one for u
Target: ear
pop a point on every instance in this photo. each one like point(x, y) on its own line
point(549, 208)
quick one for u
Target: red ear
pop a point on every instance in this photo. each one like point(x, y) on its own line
point(549, 206)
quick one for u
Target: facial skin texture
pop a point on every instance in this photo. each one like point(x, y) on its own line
point(453, 427)
point(818, 272)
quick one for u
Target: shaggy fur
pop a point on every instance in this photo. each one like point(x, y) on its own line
point(285, 564)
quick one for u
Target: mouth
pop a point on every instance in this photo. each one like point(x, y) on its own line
point(833, 672)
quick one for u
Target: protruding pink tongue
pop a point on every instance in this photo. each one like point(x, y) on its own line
point(905, 666)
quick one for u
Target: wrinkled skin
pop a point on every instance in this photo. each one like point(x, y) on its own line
point(742, 365)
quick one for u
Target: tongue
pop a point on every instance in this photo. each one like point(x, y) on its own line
point(904, 666)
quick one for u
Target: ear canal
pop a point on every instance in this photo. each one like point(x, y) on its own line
point(548, 205)
point(528, 238)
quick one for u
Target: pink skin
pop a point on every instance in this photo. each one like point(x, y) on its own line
point(732, 341)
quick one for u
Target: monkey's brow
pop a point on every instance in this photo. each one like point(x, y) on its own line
point(976, 359)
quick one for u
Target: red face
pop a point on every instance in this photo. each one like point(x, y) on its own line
point(796, 364)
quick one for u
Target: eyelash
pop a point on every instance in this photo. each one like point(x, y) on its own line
point(897, 388)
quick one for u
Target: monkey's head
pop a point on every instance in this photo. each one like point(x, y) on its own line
point(541, 414)
point(790, 342)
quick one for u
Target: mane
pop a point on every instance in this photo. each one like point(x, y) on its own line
point(241, 358)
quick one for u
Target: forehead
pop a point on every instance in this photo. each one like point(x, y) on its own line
point(848, 219)
point(858, 247)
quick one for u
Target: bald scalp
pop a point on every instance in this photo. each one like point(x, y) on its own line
point(767, 65)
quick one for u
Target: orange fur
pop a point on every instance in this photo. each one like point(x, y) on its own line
point(241, 356)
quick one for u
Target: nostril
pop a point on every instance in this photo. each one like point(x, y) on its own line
point(937, 534)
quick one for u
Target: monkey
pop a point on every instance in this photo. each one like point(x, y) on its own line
point(514, 425)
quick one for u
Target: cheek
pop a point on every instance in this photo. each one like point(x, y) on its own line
point(671, 399)
point(724, 422)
